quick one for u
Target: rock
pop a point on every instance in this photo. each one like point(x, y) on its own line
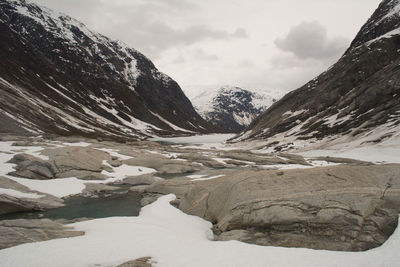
point(16, 232)
point(78, 158)
point(139, 189)
point(82, 174)
point(312, 208)
point(141, 262)
point(93, 189)
point(177, 186)
point(162, 165)
point(32, 167)
point(115, 163)
point(146, 179)
point(344, 161)
point(10, 204)
point(149, 198)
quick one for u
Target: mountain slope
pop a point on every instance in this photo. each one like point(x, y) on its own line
point(357, 99)
point(58, 77)
point(231, 108)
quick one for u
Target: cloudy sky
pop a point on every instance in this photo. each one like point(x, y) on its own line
point(274, 45)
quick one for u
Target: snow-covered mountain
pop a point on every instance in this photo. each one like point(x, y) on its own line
point(59, 77)
point(356, 101)
point(231, 108)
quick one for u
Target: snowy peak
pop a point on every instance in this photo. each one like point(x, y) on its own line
point(230, 107)
point(57, 76)
point(385, 22)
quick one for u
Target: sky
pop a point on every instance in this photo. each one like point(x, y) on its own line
point(270, 45)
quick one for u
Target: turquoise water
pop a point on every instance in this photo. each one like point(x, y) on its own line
point(122, 204)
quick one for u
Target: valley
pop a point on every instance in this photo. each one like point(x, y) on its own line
point(104, 161)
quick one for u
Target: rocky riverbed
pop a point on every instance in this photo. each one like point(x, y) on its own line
point(264, 199)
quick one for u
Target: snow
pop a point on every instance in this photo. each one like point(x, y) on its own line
point(174, 239)
point(123, 171)
point(205, 101)
point(114, 152)
point(173, 126)
point(202, 141)
point(62, 187)
point(209, 178)
point(294, 114)
point(285, 166)
point(18, 194)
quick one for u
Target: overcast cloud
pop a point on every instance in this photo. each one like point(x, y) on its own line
point(310, 40)
point(266, 44)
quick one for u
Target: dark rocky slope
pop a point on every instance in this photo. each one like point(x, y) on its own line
point(58, 77)
point(357, 98)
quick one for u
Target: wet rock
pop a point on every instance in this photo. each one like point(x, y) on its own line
point(16, 232)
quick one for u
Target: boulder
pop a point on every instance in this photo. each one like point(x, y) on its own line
point(32, 167)
point(78, 158)
point(340, 208)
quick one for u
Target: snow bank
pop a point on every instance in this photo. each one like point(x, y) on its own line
point(174, 239)
point(18, 194)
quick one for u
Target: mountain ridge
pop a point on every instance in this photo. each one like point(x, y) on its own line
point(355, 99)
point(80, 82)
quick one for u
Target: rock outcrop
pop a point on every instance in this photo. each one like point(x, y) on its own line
point(10, 203)
point(350, 208)
point(16, 232)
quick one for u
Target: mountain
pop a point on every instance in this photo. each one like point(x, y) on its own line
point(59, 77)
point(357, 100)
point(231, 108)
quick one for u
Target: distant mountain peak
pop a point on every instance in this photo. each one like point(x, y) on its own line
point(230, 107)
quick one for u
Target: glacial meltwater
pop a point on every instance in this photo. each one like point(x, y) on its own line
point(122, 204)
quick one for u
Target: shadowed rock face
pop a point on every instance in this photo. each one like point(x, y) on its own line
point(356, 95)
point(349, 208)
point(58, 77)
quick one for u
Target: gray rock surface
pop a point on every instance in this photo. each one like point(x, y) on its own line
point(10, 204)
point(146, 179)
point(338, 208)
point(32, 167)
point(141, 262)
point(78, 158)
point(16, 232)
point(162, 164)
